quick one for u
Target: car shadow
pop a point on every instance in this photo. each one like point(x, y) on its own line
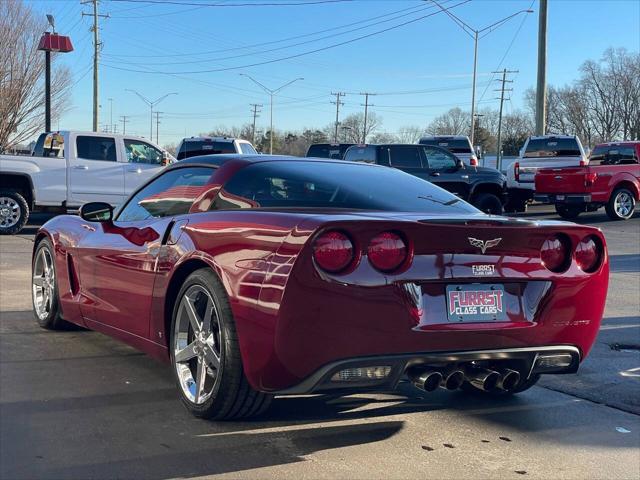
point(627, 263)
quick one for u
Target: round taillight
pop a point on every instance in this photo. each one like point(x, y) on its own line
point(588, 254)
point(387, 251)
point(555, 254)
point(333, 251)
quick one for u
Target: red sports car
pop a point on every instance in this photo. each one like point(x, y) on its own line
point(259, 275)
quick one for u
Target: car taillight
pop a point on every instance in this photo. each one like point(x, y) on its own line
point(588, 253)
point(590, 178)
point(333, 251)
point(473, 161)
point(387, 251)
point(516, 171)
point(555, 253)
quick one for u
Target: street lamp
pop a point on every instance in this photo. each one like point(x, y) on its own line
point(271, 93)
point(151, 104)
point(476, 35)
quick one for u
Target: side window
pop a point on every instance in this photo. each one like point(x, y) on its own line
point(247, 148)
point(141, 152)
point(53, 146)
point(170, 194)
point(405, 157)
point(627, 155)
point(96, 148)
point(598, 156)
point(439, 160)
point(361, 154)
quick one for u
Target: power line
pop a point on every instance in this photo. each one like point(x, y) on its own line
point(262, 4)
point(298, 55)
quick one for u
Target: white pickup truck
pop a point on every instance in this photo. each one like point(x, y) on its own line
point(547, 151)
point(70, 168)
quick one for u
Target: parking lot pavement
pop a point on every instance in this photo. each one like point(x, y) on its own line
point(77, 404)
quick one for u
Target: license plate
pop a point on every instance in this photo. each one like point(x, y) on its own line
point(476, 303)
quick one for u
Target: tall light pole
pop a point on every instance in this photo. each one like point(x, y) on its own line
point(541, 86)
point(110, 114)
point(272, 94)
point(151, 105)
point(476, 34)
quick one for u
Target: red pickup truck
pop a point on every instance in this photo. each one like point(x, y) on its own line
point(610, 179)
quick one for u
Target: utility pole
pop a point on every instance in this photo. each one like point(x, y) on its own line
point(123, 119)
point(366, 106)
point(157, 128)
point(96, 52)
point(502, 89)
point(541, 87)
point(254, 108)
point(337, 103)
point(110, 114)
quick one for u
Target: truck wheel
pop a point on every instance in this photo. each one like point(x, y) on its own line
point(489, 203)
point(568, 212)
point(515, 206)
point(621, 205)
point(14, 212)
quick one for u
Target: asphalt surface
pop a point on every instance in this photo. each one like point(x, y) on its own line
point(78, 404)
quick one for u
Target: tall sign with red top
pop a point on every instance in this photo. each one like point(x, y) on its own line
point(51, 42)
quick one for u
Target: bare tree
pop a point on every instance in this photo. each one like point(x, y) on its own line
point(410, 134)
point(352, 126)
point(22, 75)
point(454, 122)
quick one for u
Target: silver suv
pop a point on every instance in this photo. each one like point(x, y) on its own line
point(194, 146)
point(459, 145)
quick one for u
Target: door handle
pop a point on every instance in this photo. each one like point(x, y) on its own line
point(81, 167)
point(435, 174)
point(135, 170)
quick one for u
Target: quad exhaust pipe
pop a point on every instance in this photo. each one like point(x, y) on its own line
point(484, 379)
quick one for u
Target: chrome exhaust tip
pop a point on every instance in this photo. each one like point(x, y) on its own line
point(483, 378)
point(427, 380)
point(453, 380)
point(509, 380)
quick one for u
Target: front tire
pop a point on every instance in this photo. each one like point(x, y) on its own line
point(14, 212)
point(489, 203)
point(568, 212)
point(205, 353)
point(621, 205)
point(44, 288)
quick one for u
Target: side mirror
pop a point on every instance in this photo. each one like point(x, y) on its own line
point(459, 164)
point(96, 212)
point(166, 159)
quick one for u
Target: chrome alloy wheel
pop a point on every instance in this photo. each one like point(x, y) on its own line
point(10, 212)
point(43, 283)
point(623, 204)
point(197, 344)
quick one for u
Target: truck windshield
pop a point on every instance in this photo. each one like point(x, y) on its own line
point(454, 146)
point(204, 147)
point(552, 147)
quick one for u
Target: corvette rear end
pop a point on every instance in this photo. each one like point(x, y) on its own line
point(484, 303)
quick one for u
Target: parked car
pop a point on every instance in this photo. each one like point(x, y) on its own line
point(548, 151)
point(257, 276)
point(70, 168)
point(459, 145)
point(480, 186)
point(611, 179)
point(328, 150)
point(194, 146)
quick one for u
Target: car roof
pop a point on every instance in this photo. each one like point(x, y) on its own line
point(212, 139)
point(622, 143)
point(544, 137)
point(222, 158)
point(329, 144)
point(435, 137)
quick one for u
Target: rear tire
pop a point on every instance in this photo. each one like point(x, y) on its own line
point(621, 205)
point(521, 387)
point(44, 288)
point(489, 203)
point(14, 212)
point(568, 212)
point(206, 359)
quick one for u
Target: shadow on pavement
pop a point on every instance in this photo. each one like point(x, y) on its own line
point(628, 263)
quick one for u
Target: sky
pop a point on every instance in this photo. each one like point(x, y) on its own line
point(199, 48)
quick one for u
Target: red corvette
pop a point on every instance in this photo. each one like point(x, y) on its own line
point(257, 275)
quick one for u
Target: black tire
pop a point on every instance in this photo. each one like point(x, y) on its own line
point(568, 212)
point(515, 206)
point(50, 318)
point(524, 384)
point(489, 203)
point(231, 396)
point(614, 208)
point(14, 212)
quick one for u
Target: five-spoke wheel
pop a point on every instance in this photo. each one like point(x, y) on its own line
point(44, 288)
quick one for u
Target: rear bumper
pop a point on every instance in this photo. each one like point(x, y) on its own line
point(528, 359)
point(563, 199)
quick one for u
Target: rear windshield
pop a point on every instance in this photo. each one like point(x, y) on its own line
point(300, 184)
point(552, 147)
point(328, 151)
point(454, 146)
point(203, 147)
